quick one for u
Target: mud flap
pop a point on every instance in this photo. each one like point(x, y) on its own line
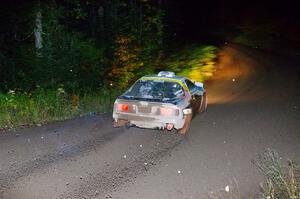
point(120, 123)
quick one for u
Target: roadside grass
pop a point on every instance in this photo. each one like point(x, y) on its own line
point(281, 181)
point(43, 106)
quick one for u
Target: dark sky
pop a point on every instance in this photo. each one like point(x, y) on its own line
point(192, 17)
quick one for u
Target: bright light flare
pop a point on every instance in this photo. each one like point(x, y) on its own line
point(235, 73)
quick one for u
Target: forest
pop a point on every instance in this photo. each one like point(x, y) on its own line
point(61, 59)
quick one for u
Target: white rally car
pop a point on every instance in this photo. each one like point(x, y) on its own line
point(163, 101)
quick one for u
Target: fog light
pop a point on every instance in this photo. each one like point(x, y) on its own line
point(170, 126)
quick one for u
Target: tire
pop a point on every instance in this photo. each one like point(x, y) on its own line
point(203, 105)
point(120, 123)
point(187, 122)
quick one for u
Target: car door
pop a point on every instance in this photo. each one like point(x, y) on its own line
point(195, 96)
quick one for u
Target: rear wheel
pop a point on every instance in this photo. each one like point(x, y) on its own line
point(203, 105)
point(187, 122)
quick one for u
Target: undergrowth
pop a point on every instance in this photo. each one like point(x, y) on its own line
point(19, 108)
point(196, 62)
point(281, 181)
point(42, 106)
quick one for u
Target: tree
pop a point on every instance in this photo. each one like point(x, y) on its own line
point(38, 30)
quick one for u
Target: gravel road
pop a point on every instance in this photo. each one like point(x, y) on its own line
point(254, 103)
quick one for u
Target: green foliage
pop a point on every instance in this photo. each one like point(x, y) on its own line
point(42, 106)
point(86, 46)
point(126, 61)
point(67, 57)
point(81, 45)
point(137, 42)
point(196, 62)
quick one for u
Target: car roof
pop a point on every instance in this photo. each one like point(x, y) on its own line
point(177, 79)
point(165, 77)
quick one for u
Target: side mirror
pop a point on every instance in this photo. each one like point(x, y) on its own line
point(199, 84)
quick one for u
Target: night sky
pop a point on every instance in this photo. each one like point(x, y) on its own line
point(195, 19)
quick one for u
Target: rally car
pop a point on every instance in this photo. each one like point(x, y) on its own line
point(162, 101)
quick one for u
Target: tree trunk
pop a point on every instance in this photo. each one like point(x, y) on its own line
point(38, 33)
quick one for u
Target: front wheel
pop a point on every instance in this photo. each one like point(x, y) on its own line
point(203, 105)
point(187, 122)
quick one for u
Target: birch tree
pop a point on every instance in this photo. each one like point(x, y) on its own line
point(38, 33)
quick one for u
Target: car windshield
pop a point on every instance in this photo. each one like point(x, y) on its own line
point(155, 89)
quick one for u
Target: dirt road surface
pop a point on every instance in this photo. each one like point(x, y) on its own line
point(254, 103)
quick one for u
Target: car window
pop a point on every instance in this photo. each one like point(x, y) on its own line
point(155, 89)
point(190, 85)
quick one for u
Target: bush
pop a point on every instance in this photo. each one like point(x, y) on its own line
point(42, 106)
point(196, 63)
point(282, 181)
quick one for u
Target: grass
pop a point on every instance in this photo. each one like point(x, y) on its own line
point(43, 106)
point(281, 181)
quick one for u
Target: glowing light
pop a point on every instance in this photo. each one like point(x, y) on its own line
point(123, 107)
point(165, 111)
point(227, 188)
point(231, 69)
